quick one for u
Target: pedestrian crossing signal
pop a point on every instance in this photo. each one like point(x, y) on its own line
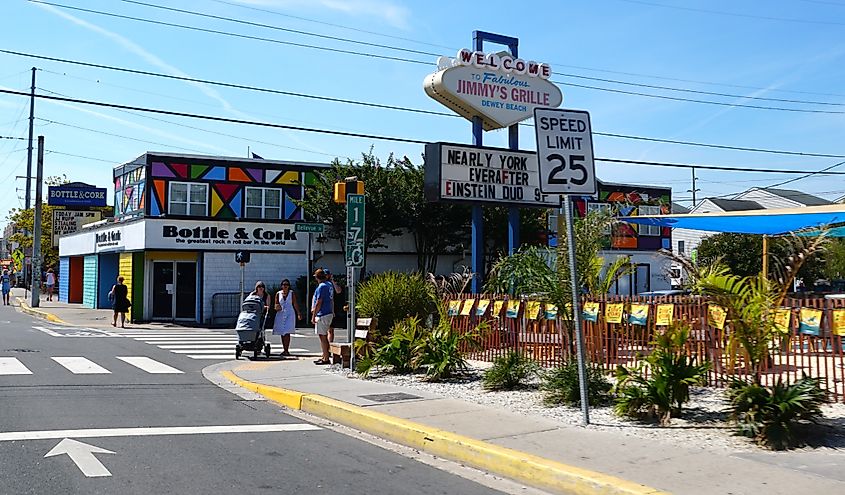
point(341, 189)
point(242, 257)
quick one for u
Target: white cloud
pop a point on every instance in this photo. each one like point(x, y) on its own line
point(396, 15)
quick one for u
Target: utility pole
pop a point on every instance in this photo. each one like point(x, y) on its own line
point(694, 189)
point(36, 234)
point(29, 146)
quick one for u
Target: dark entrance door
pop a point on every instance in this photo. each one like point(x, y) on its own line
point(186, 290)
point(163, 289)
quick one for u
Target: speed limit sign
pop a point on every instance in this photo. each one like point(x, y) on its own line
point(565, 151)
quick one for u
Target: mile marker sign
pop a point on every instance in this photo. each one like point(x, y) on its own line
point(565, 151)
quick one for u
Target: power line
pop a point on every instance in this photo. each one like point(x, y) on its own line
point(710, 167)
point(735, 14)
point(234, 35)
point(341, 26)
point(808, 175)
point(694, 91)
point(65, 124)
point(382, 106)
point(54, 152)
point(13, 137)
point(216, 118)
point(278, 28)
point(703, 102)
point(408, 50)
point(407, 60)
point(594, 69)
point(382, 138)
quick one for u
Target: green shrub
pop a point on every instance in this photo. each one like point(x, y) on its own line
point(666, 389)
point(561, 386)
point(393, 296)
point(770, 415)
point(397, 354)
point(509, 371)
point(440, 353)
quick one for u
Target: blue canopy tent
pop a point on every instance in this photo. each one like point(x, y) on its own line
point(772, 222)
point(766, 222)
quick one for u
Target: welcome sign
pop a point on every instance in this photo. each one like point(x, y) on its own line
point(498, 88)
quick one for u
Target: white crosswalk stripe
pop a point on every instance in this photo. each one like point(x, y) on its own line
point(80, 365)
point(149, 365)
point(211, 356)
point(12, 366)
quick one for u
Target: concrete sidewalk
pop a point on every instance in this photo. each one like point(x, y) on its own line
point(534, 451)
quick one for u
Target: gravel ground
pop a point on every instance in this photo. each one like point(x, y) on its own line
point(702, 426)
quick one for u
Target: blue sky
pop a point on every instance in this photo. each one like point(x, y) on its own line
point(786, 49)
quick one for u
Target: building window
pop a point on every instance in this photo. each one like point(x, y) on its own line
point(602, 207)
point(650, 230)
point(263, 203)
point(681, 247)
point(188, 199)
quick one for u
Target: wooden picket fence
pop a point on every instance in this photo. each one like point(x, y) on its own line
point(618, 337)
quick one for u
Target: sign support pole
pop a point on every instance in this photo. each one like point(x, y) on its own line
point(309, 254)
point(477, 222)
point(351, 317)
point(242, 282)
point(36, 234)
point(576, 309)
point(513, 143)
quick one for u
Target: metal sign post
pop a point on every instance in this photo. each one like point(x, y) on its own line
point(355, 247)
point(576, 309)
point(566, 166)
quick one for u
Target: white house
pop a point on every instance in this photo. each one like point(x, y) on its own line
point(686, 241)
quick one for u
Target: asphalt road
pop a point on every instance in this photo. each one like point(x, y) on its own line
point(119, 406)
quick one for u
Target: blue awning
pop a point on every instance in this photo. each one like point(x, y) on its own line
point(768, 222)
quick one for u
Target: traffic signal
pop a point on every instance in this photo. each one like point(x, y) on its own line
point(341, 189)
point(242, 257)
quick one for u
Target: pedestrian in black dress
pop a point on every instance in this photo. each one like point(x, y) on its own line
point(119, 295)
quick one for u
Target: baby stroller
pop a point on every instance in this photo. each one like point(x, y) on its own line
point(250, 328)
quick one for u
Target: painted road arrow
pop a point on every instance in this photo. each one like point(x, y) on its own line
point(82, 455)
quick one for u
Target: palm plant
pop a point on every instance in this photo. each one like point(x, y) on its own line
point(544, 273)
point(509, 371)
point(441, 351)
point(769, 414)
point(750, 301)
point(666, 389)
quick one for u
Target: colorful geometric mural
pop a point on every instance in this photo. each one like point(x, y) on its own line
point(129, 192)
point(227, 187)
point(632, 200)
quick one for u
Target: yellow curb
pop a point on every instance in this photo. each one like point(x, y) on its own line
point(26, 308)
point(510, 463)
point(287, 398)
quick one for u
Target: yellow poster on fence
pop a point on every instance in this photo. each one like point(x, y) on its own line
point(782, 319)
point(613, 313)
point(513, 308)
point(810, 322)
point(665, 315)
point(497, 308)
point(551, 311)
point(483, 304)
point(454, 307)
point(638, 314)
point(591, 311)
point(532, 309)
point(716, 316)
point(838, 324)
point(466, 309)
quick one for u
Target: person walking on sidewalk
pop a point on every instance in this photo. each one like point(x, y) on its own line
point(287, 312)
point(337, 290)
point(6, 282)
point(322, 313)
point(49, 283)
point(119, 295)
